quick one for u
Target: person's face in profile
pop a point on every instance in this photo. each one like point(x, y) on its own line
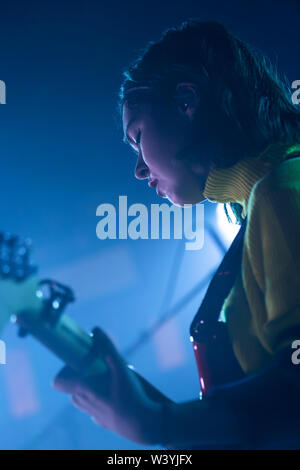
point(159, 137)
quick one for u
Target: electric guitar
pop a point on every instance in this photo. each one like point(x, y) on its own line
point(37, 307)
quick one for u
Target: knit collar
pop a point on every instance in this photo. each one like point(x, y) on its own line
point(234, 184)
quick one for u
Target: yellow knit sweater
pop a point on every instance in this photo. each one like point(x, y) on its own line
point(263, 306)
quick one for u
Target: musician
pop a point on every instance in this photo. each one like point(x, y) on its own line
point(209, 119)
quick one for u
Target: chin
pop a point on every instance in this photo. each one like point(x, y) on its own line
point(180, 200)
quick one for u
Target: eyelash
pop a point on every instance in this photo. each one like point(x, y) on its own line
point(138, 138)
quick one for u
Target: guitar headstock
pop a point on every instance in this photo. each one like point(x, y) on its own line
point(15, 254)
point(18, 283)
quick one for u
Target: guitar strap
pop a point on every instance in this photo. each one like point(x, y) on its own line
point(221, 283)
point(212, 347)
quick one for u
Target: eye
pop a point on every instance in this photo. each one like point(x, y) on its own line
point(138, 138)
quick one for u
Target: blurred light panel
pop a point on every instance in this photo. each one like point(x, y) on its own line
point(168, 346)
point(20, 386)
point(99, 273)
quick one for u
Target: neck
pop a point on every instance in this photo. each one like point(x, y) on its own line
point(235, 183)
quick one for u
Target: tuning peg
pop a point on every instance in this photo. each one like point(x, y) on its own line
point(5, 269)
point(28, 243)
point(15, 256)
point(8, 240)
point(4, 237)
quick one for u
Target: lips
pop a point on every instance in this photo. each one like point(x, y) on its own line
point(152, 183)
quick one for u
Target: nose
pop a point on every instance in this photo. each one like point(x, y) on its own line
point(141, 170)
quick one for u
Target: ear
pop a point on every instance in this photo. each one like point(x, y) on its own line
point(187, 98)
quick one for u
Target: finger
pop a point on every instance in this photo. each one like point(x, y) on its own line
point(85, 404)
point(67, 380)
point(99, 385)
point(80, 402)
point(98, 421)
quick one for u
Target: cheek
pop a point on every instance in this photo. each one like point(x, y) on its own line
point(161, 142)
point(155, 148)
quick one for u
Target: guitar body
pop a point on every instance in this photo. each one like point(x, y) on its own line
point(213, 351)
point(215, 359)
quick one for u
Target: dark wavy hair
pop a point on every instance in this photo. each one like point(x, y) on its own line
point(245, 106)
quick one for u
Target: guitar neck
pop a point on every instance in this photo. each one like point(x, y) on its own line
point(65, 339)
point(73, 346)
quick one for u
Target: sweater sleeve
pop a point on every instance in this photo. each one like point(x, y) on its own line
point(272, 245)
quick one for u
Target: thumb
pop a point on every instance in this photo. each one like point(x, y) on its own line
point(66, 380)
point(105, 347)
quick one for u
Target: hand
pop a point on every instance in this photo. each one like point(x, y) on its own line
point(116, 400)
